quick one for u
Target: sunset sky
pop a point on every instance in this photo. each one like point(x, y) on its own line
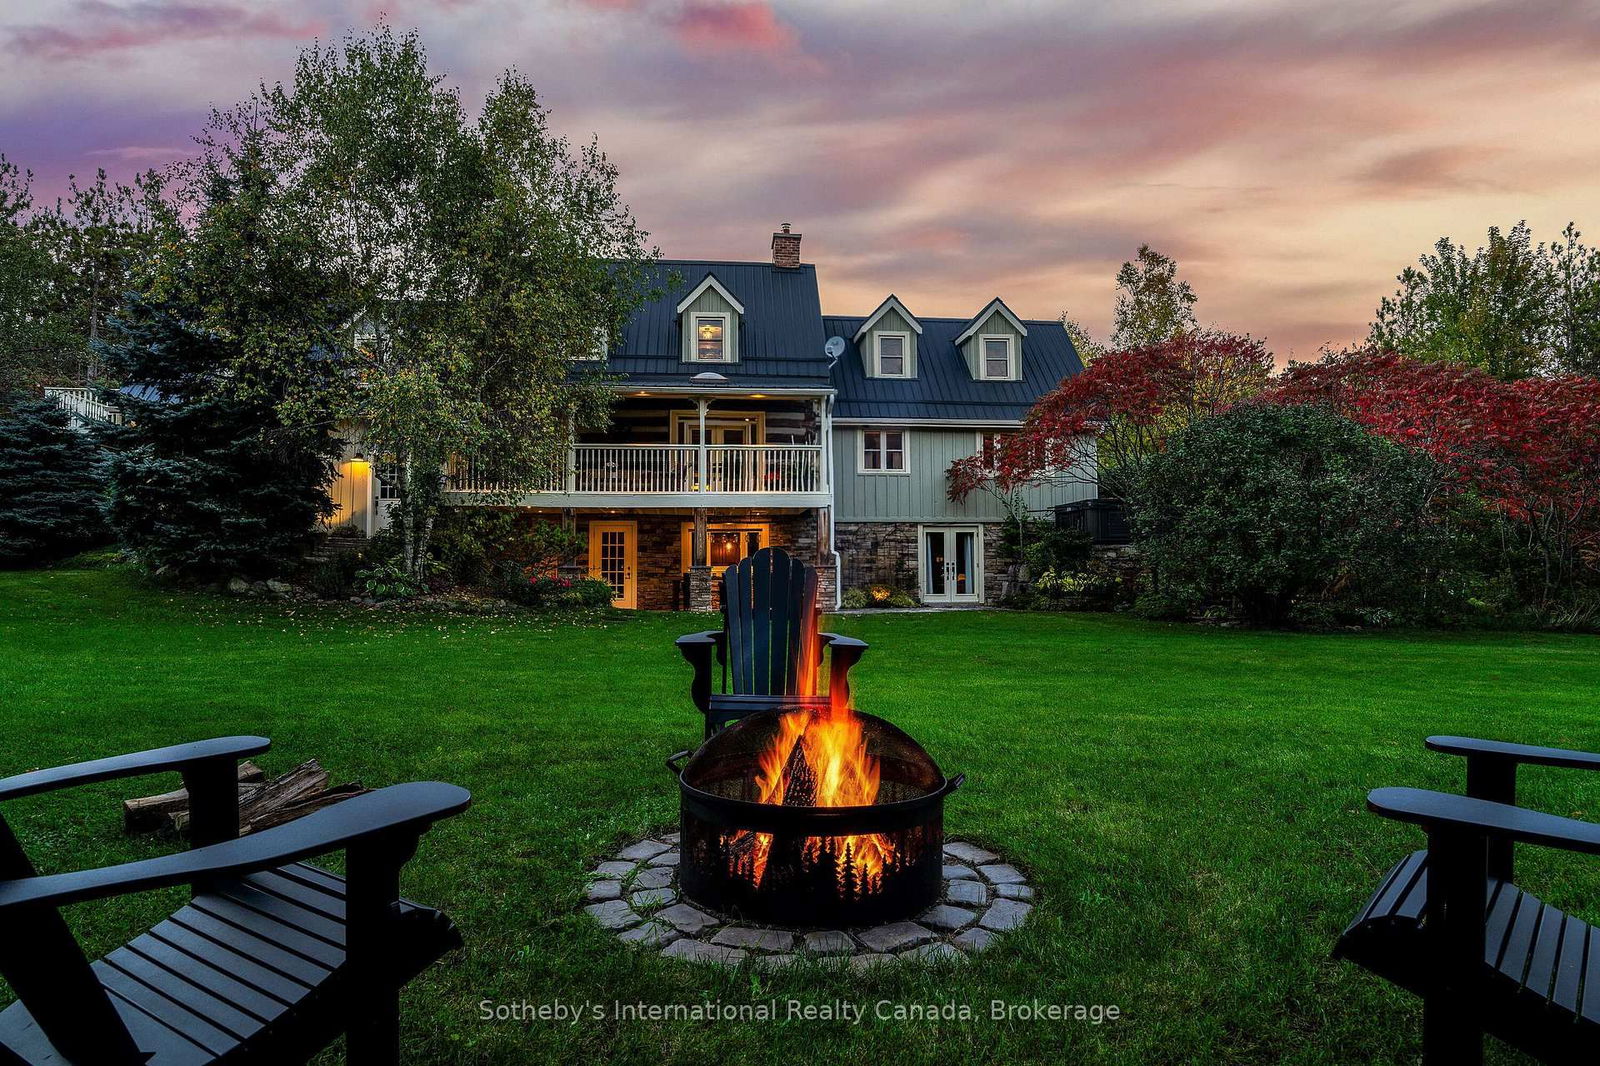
point(1293, 156)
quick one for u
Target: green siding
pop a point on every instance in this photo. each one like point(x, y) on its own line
point(891, 322)
point(996, 323)
point(710, 301)
point(919, 494)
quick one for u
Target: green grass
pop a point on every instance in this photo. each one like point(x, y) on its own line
point(1188, 801)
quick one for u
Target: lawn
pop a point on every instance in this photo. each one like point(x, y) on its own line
point(1187, 800)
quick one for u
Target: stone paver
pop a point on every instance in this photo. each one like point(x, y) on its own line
point(651, 897)
point(895, 935)
point(700, 951)
point(654, 877)
point(744, 936)
point(944, 916)
point(645, 849)
point(650, 935)
point(1002, 874)
point(613, 914)
point(969, 918)
point(975, 939)
point(829, 942)
point(973, 893)
point(1005, 914)
point(932, 953)
point(862, 963)
point(969, 852)
point(686, 919)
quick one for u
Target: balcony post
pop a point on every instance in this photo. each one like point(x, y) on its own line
point(701, 404)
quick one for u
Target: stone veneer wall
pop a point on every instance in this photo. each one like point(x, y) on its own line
point(885, 553)
point(659, 565)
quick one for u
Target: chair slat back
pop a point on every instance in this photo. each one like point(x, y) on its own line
point(769, 610)
point(48, 971)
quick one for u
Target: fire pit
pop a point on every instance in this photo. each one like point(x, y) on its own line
point(812, 816)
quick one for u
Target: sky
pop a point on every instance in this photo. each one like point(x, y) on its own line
point(1292, 156)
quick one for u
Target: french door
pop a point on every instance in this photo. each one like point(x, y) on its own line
point(952, 564)
point(613, 555)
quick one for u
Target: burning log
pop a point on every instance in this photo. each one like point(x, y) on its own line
point(262, 804)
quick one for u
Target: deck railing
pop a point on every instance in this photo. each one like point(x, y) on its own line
point(660, 469)
point(82, 404)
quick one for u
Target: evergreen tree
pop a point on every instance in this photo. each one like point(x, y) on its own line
point(50, 485)
point(204, 482)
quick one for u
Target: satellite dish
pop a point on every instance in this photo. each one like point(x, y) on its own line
point(834, 348)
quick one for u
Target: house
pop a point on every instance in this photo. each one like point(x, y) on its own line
point(745, 417)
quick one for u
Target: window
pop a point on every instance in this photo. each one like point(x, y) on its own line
point(883, 451)
point(602, 344)
point(996, 357)
point(989, 448)
point(892, 355)
point(388, 472)
point(710, 333)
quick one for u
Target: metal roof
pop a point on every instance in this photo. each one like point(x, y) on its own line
point(944, 387)
point(780, 332)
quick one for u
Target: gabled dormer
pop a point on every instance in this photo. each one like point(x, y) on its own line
point(992, 343)
point(709, 320)
point(887, 341)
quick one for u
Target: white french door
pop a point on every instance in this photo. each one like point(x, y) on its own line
point(951, 560)
point(613, 550)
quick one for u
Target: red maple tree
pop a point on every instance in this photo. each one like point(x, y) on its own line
point(1122, 407)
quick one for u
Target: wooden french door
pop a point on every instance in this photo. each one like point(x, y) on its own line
point(613, 558)
point(951, 564)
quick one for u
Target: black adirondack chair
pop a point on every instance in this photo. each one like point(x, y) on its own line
point(1450, 923)
point(769, 619)
point(270, 960)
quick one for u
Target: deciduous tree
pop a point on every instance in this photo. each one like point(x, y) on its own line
point(1153, 306)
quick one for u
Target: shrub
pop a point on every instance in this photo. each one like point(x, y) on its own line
point(335, 576)
point(877, 596)
point(470, 542)
point(1261, 508)
point(526, 586)
point(855, 599)
point(388, 581)
point(51, 487)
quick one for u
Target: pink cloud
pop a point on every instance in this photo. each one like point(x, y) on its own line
point(94, 27)
point(740, 25)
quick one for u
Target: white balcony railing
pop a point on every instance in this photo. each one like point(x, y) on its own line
point(662, 469)
point(82, 404)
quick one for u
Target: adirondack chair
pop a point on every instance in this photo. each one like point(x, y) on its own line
point(269, 961)
point(769, 627)
point(1450, 923)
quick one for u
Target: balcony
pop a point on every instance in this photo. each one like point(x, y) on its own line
point(671, 475)
point(82, 404)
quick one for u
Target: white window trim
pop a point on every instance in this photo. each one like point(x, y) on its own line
point(694, 337)
point(977, 443)
point(983, 356)
point(861, 451)
point(905, 353)
point(601, 349)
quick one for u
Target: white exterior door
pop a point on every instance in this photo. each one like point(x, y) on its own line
point(951, 561)
point(613, 548)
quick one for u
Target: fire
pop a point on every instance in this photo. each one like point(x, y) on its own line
point(819, 759)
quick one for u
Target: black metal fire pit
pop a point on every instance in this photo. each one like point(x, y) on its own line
point(810, 865)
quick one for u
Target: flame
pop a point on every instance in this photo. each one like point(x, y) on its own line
point(819, 759)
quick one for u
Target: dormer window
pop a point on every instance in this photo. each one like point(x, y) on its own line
point(997, 354)
point(710, 338)
point(601, 346)
point(891, 354)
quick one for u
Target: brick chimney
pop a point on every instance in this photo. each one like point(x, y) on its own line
point(786, 248)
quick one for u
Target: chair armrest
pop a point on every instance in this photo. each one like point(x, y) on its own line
point(845, 652)
point(177, 757)
point(1433, 810)
point(1471, 747)
point(396, 811)
point(696, 649)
